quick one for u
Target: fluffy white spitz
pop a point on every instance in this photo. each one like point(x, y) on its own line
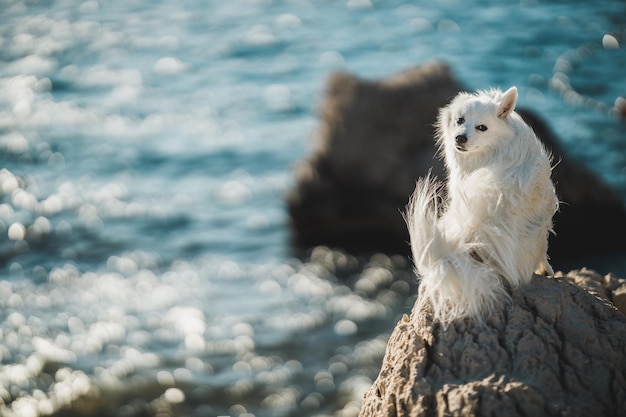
point(487, 229)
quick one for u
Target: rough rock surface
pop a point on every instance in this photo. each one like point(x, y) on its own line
point(555, 350)
point(375, 138)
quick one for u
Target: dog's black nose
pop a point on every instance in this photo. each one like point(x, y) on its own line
point(461, 139)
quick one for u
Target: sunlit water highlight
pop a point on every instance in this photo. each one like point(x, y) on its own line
point(145, 151)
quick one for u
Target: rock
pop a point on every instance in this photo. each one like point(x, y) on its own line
point(592, 217)
point(608, 287)
point(619, 299)
point(555, 350)
point(375, 138)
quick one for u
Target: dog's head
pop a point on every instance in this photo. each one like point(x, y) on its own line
point(477, 122)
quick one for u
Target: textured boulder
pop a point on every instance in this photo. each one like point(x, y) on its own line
point(375, 138)
point(555, 350)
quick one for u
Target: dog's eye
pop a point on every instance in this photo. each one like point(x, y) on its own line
point(460, 120)
point(482, 128)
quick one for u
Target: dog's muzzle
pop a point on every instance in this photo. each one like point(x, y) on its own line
point(460, 141)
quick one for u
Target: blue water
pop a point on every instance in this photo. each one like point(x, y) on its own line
point(145, 152)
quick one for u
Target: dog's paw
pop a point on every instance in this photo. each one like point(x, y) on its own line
point(544, 269)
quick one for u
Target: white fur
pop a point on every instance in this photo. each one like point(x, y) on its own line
point(490, 230)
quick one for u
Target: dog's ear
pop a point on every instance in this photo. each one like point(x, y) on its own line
point(507, 103)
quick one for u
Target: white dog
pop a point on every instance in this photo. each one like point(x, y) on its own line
point(490, 230)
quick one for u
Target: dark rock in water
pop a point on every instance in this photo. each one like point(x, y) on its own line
point(375, 138)
point(592, 217)
point(555, 350)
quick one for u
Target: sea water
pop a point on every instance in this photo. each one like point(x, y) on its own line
point(146, 148)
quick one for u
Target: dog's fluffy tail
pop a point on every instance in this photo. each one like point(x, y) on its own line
point(454, 280)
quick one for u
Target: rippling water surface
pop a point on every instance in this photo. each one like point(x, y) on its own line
point(145, 149)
